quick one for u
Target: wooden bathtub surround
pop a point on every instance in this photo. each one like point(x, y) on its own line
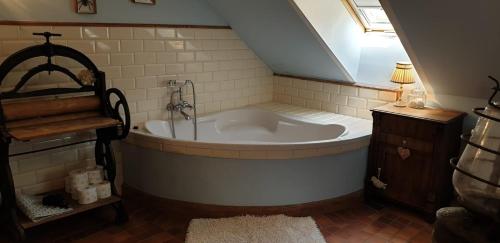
point(428, 138)
point(48, 117)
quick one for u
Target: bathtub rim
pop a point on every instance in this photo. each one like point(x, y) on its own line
point(357, 135)
point(297, 118)
point(247, 151)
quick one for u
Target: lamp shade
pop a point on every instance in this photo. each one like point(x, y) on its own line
point(403, 74)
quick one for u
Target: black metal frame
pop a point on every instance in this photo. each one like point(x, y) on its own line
point(103, 148)
point(496, 89)
point(466, 138)
point(453, 163)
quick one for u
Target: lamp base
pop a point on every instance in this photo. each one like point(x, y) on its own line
point(400, 103)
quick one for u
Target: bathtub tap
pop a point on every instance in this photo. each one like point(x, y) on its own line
point(182, 105)
point(180, 108)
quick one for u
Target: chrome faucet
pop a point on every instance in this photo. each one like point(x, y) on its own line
point(181, 105)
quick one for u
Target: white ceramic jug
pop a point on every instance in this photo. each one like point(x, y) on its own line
point(479, 194)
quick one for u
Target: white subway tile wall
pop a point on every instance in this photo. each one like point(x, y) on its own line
point(338, 98)
point(45, 171)
point(138, 61)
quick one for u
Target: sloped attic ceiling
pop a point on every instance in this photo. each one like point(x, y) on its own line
point(454, 44)
point(278, 35)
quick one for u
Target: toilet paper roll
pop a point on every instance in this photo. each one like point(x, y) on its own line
point(103, 190)
point(100, 167)
point(75, 189)
point(95, 174)
point(79, 178)
point(87, 195)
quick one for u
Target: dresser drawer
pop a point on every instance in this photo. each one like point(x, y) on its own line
point(408, 127)
point(414, 144)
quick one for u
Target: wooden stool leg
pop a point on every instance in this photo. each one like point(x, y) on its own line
point(121, 213)
point(105, 157)
point(110, 165)
point(15, 228)
point(9, 195)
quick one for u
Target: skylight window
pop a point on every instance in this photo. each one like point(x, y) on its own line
point(370, 15)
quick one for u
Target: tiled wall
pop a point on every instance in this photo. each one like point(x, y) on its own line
point(337, 98)
point(45, 171)
point(139, 61)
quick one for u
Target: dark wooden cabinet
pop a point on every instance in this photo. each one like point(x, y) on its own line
point(422, 180)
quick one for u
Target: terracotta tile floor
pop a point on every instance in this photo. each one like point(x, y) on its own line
point(365, 224)
point(148, 224)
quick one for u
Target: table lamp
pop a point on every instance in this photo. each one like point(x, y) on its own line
point(403, 74)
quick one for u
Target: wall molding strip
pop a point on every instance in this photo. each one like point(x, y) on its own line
point(98, 24)
point(353, 84)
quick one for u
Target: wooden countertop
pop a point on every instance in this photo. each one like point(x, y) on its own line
point(428, 113)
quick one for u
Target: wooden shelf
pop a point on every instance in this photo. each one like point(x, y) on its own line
point(26, 223)
point(26, 133)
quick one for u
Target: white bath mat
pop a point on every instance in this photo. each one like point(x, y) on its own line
point(252, 229)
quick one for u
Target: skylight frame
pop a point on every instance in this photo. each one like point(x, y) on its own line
point(361, 18)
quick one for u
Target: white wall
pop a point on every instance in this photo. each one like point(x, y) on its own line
point(379, 54)
point(336, 29)
point(453, 54)
point(455, 43)
point(460, 103)
point(196, 12)
point(368, 57)
point(280, 37)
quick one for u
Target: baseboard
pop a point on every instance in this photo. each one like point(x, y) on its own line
point(348, 201)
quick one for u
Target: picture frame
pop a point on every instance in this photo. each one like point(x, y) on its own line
point(149, 2)
point(86, 6)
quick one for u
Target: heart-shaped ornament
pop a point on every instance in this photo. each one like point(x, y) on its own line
point(404, 153)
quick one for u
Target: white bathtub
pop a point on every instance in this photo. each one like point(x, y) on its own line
point(269, 155)
point(249, 126)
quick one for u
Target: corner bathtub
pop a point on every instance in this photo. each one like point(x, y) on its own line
point(266, 155)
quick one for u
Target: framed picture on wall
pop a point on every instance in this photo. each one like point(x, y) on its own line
point(85, 6)
point(151, 2)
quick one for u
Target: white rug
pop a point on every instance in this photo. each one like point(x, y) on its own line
point(252, 229)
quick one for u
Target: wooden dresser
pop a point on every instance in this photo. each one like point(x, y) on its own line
point(428, 138)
